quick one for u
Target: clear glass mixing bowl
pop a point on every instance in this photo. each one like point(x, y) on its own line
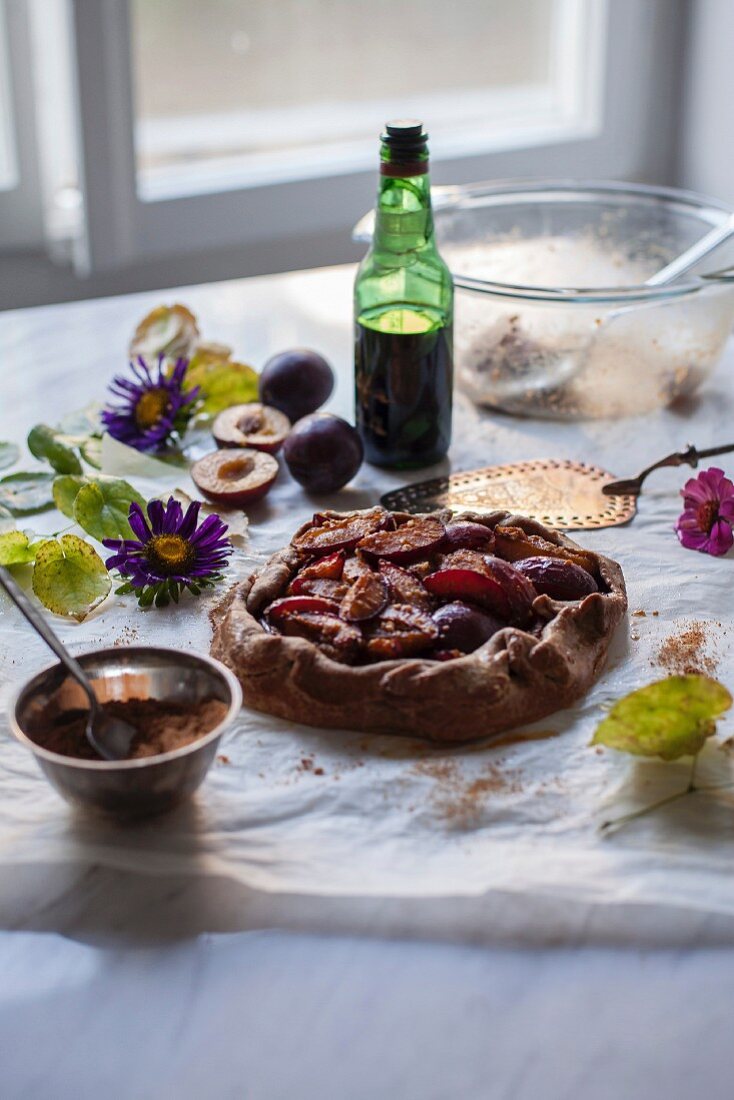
point(552, 315)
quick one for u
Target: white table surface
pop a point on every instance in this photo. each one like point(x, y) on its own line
point(172, 986)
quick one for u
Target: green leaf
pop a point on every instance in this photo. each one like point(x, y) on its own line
point(222, 382)
point(101, 508)
point(15, 549)
point(9, 455)
point(69, 576)
point(65, 489)
point(669, 718)
point(25, 493)
point(46, 443)
point(91, 451)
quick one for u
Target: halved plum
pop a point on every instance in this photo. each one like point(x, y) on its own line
point(405, 587)
point(513, 544)
point(292, 605)
point(414, 539)
point(339, 640)
point(366, 598)
point(463, 627)
point(400, 631)
point(559, 579)
point(332, 533)
point(253, 425)
point(235, 477)
point(465, 535)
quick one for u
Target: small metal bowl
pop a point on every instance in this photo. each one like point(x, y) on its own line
point(129, 788)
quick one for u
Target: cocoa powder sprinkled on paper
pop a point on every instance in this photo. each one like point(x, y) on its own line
point(460, 800)
point(689, 651)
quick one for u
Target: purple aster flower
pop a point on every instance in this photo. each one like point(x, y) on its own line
point(708, 513)
point(152, 408)
point(170, 552)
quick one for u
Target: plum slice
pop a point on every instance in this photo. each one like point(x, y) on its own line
point(332, 533)
point(464, 628)
point(500, 588)
point(339, 640)
point(465, 535)
point(465, 559)
point(513, 544)
point(405, 587)
point(330, 567)
point(467, 584)
point(559, 579)
point(400, 631)
point(235, 477)
point(355, 567)
point(253, 425)
point(414, 539)
point(317, 586)
point(366, 598)
point(279, 610)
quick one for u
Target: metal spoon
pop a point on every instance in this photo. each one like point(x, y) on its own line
point(632, 486)
point(109, 737)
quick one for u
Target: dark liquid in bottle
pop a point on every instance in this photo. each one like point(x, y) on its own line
point(404, 383)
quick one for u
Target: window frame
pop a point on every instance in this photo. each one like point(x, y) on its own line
point(21, 206)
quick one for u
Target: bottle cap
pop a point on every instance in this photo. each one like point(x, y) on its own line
point(405, 135)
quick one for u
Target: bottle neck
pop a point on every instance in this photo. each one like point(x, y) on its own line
point(403, 215)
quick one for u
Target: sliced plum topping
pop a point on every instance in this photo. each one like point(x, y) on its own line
point(465, 535)
point(317, 586)
point(355, 567)
point(514, 545)
point(339, 640)
point(405, 587)
point(332, 533)
point(400, 631)
point(517, 588)
point(466, 584)
point(329, 567)
point(559, 579)
point(366, 598)
point(417, 538)
point(465, 559)
point(280, 610)
point(464, 628)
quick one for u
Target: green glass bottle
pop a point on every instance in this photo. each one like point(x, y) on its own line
point(403, 309)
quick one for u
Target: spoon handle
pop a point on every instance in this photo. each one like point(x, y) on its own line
point(39, 624)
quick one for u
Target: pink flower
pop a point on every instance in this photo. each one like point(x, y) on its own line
point(708, 513)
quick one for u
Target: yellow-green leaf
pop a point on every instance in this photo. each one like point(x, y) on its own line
point(15, 548)
point(65, 489)
point(102, 507)
point(69, 576)
point(670, 718)
point(222, 381)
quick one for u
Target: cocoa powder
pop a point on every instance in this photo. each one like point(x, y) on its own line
point(162, 726)
point(688, 651)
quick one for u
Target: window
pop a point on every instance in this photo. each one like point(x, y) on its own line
point(178, 128)
point(8, 167)
point(298, 87)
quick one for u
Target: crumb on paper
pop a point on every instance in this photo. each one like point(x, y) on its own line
point(640, 614)
point(223, 758)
